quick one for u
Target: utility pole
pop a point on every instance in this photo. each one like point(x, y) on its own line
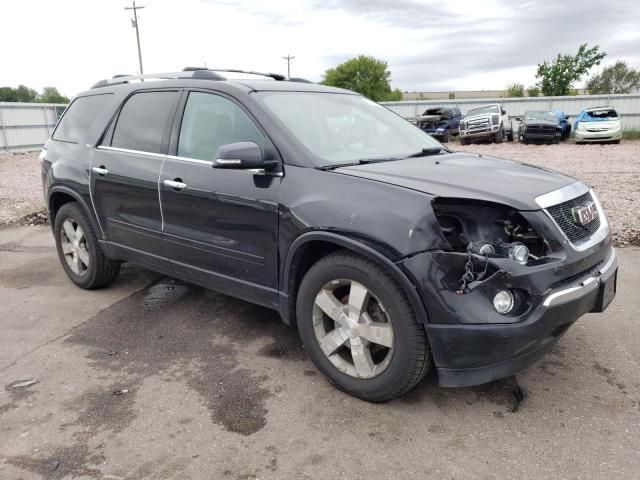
point(288, 58)
point(134, 24)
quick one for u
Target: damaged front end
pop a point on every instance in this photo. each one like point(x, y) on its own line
point(504, 288)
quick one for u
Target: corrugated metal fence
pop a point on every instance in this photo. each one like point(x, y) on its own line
point(628, 106)
point(26, 126)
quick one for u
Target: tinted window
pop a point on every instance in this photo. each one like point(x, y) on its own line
point(142, 121)
point(79, 117)
point(210, 121)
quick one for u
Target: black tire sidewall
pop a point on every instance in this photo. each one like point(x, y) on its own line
point(73, 211)
point(401, 362)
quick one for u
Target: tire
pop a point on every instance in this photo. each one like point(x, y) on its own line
point(616, 142)
point(464, 141)
point(83, 260)
point(510, 136)
point(499, 138)
point(447, 137)
point(389, 368)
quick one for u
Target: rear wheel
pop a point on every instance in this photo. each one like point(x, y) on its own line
point(359, 329)
point(78, 249)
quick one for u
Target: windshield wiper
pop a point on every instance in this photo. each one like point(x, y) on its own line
point(362, 161)
point(425, 152)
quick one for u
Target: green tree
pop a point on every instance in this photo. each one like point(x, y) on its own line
point(533, 91)
point(25, 94)
point(363, 74)
point(558, 76)
point(452, 95)
point(515, 90)
point(395, 95)
point(8, 94)
point(51, 95)
point(617, 78)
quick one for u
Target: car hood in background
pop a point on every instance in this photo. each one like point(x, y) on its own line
point(461, 175)
point(540, 122)
point(603, 124)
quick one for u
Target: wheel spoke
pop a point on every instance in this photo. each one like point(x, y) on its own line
point(358, 295)
point(329, 304)
point(84, 256)
point(333, 340)
point(362, 359)
point(79, 234)
point(68, 230)
point(378, 332)
point(75, 264)
point(67, 248)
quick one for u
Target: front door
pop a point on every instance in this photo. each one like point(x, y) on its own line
point(124, 176)
point(220, 225)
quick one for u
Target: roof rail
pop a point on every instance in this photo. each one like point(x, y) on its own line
point(275, 76)
point(195, 74)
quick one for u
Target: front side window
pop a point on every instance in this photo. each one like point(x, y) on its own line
point(210, 121)
point(339, 128)
point(143, 120)
point(79, 117)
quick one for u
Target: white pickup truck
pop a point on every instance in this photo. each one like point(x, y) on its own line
point(486, 122)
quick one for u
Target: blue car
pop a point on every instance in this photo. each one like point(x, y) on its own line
point(564, 123)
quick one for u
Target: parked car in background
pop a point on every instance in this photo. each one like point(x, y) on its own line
point(487, 122)
point(598, 124)
point(539, 127)
point(440, 122)
point(564, 123)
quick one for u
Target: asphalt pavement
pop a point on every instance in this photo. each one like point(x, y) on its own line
point(154, 378)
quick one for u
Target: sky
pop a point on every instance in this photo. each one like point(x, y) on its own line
point(429, 46)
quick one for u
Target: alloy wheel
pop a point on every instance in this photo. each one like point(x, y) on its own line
point(353, 329)
point(74, 247)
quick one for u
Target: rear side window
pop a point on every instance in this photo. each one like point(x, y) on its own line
point(143, 121)
point(210, 121)
point(79, 117)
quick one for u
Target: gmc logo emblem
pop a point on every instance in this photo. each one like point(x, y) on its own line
point(586, 214)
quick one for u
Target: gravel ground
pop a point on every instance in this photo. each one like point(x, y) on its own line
point(20, 188)
point(612, 170)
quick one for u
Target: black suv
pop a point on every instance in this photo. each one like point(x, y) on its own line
point(386, 250)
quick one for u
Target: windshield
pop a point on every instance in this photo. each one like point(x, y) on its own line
point(549, 116)
point(340, 128)
point(606, 114)
point(483, 110)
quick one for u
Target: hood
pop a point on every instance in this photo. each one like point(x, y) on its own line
point(479, 116)
point(461, 175)
point(553, 123)
point(604, 124)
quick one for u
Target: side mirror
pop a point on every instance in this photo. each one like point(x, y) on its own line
point(566, 117)
point(240, 155)
point(518, 119)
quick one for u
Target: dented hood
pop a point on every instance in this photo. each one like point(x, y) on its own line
point(462, 175)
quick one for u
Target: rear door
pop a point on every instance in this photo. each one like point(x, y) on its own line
point(220, 225)
point(124, 176)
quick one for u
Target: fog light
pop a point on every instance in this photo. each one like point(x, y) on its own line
point(519, 253)
point(503, 302)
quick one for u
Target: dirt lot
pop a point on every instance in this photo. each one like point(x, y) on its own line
point(215, 388)
point(612, 170)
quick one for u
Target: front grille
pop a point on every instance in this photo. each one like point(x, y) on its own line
point(563, 215)
point(541, 130)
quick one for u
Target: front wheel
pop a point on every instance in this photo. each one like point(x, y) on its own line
point(446, 137)
point(499, 138)
point(359, 328)
point(464, 141)
point(79, 251)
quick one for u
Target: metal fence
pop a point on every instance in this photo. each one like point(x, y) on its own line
point(26, 126)
point(628, 106)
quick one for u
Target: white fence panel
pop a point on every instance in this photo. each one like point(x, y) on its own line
point(26, 126)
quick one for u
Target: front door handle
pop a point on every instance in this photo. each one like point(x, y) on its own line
point(175, 184)
point(100, 170)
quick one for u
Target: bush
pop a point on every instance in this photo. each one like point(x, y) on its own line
point(515, 90)
point(533, 91)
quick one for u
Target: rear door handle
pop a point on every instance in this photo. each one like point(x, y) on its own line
point(100, 170)
point(175, 184)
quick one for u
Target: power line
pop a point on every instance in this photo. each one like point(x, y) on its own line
point(288, 58)
point(134, 24)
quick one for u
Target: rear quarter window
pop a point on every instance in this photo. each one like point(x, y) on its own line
point(79, 117)
point(143, 121)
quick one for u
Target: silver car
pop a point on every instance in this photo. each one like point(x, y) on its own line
point(598, 124)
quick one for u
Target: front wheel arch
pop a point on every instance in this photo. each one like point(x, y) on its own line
point(331, 242)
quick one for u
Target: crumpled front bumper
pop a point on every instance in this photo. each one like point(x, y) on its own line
point(474, 349)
